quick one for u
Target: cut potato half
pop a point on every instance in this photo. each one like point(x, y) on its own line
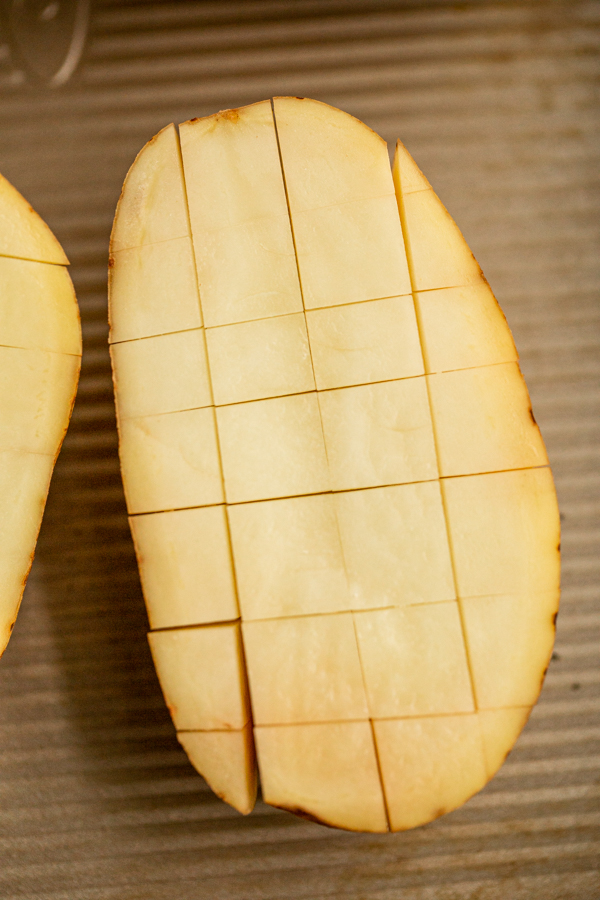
point(341, 504)
point(40, 357)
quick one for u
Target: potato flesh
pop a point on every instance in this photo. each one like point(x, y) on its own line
point(344, 401)
point(227, 762)
point(40, 350)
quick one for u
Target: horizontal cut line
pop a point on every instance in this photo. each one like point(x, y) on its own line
point(40, 350)
point(181, 237)
point(374, 487)
point(44, 262)
point(316, 390)
point(218, 624)
point(350, 611)
point(407, 718)
point(312, 309)
point(149, 337)
point(214, 730)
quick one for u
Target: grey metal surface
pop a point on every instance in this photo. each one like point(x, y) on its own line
point(498, 102)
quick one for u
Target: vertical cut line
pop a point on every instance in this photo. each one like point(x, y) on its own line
point(409, 259)
point(229, 542)
point(380, 773)
point(317, 391)
point(362, 670)
point(289, 209)
point(372, 726)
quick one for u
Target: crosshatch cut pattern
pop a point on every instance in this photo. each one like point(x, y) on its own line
point(312, 421)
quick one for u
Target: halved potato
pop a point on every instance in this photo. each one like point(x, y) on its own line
point(341, 504)
point(40, 354)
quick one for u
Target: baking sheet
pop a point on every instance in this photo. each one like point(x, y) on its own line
point(498, 102)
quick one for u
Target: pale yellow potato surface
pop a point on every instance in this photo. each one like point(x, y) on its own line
point(407, 175)
point(185, 566)
point(201, 673)
point(153, 290)
point(378, 434)
point(38, 309)
point(363, 343)
point(232, 169)
point(272, 448)
point(384, 570)
point(40, 350)
point(354, 513)
point(238, 212)
point(226, 760)
point(350, 253)
point(24, 483)
point(323, 771)
point(304, 669)
point(510, 639)
point(161, 374)
point(37, 390)
point(152, 207)
point(260, 359)
point(288, 557)
point(344, 214)
point(414, 660)
point(170, 461)
point(23, 233)
point(438, 254)
point(505, 532)
point(348, 160)
point(248, 271)
point(492, 403)
point(463, 327)
point(429, 766)
point(500, 729)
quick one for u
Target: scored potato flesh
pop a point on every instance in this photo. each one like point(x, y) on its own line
point(40, 355)
point(327, 439)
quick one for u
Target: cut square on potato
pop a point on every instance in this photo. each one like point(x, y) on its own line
point(170, 461)
point(509, 639)
point(414, 661)
point(378, 434)
point(365, 342)
point(408, 177)
point(201, 673)
point(500, 729)
point(463, 327)
point(163, 374)
point(227, 761)
point(350, 253)
point(505, 532)
point(185, 566)
point(153, 290)
point(273, 448)
point(239, 217)
point(439, 256)
point(304, 669)
point(232, 168)
point(153, 207)
point(345, 218)
point(260, 359)
point(326, 772)
point(43, 317)
point(429, 766)
point(247, 271)
point(395, 545)
point(483, 421)
point(37, 389)
point(288, 557)
point(24, 482)
point(348, 161)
